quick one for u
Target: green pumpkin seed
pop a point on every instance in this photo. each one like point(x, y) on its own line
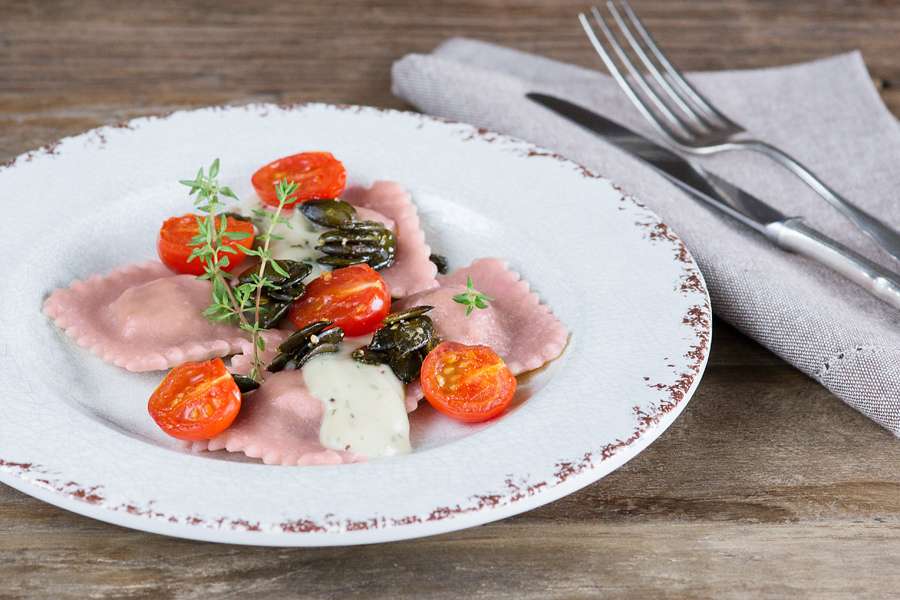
point(299, 338)
point(369, 357)
point(409, 313)
point(407, 366)
point(245, 384)
point(338, 262)
point(306, 343)
point(403, 336)
point(402, 343)
point(440, 262)
point(270, 312)
point(328, 213)
point(351, 249)
point(314, 351)
point(358, 242)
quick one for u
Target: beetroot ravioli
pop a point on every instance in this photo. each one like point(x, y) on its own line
point(329, 303)
point(524, 332)
point(412, 270)
point(143, 318)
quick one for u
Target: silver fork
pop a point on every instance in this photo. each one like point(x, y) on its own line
point(691, 122)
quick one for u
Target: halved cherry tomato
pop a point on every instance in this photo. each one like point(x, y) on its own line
point(319, 176)
point(468, 383)
point(174, 243)
point(356, 298)
point(196, 401)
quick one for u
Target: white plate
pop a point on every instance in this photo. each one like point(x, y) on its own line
point(74, 431)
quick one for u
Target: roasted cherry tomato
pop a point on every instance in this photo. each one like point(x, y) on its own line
point(196, 401)
point(356, 298)
point(468, 383)
point(174, 243)
point(318, 175)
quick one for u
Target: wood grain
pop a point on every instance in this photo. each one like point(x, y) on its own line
point(767, 486)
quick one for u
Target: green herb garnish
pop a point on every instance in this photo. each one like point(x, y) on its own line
point(472, 298)
point(242, 303)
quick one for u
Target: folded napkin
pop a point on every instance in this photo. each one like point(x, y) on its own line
point(826, 113)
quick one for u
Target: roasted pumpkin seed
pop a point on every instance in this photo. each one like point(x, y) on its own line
point(306, 343)
point(328, 213)
point(245, 384)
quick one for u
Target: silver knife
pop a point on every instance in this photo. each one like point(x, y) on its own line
point(789, 233)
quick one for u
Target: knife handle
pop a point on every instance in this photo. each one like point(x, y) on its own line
point(795, 236)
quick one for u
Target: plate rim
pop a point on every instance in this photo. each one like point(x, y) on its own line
point(34, 480)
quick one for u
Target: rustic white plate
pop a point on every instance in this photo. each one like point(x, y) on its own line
point(74, 431)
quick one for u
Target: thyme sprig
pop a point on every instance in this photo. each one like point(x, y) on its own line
point(258, 281)
point(231, 303)
point(209, 246)
point(472, 298)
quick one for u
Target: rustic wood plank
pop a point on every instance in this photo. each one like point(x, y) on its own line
point(69, 65)
point(547, 560)
point(767, 486)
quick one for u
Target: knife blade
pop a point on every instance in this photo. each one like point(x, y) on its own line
point(684, 173)
point(790, 233)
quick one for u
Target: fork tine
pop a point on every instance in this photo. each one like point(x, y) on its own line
point(626, 86)
point(638, 77)
point(678, 79)
point(697, 118)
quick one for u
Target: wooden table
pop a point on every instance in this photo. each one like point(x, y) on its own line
point(767, 486)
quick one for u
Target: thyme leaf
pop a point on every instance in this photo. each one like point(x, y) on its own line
point(472, 298)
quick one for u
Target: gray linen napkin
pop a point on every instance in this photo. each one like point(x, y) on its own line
point(826, 113)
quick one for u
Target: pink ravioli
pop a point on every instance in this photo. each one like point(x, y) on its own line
point(524, 332)
point(279, 423)
point(142, 318)
point(413, 271)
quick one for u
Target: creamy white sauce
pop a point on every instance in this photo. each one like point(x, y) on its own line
point(365, 412)
point(299, 240)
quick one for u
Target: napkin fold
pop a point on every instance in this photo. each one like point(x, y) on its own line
point(826, 113)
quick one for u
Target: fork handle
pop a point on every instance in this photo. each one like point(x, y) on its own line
point(795, 236)
point(883, 234)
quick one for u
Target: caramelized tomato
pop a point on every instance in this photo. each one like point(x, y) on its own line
point(468, 383)
point(174, 243)
point(318, 175)
point(356, 298)
point(196, 401)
